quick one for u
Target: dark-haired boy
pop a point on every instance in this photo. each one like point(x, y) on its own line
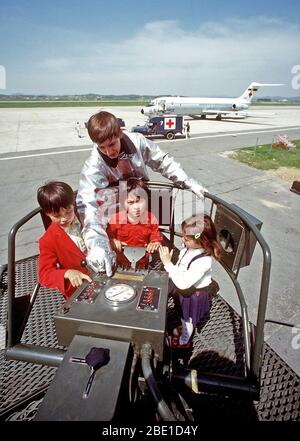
point(61, 263)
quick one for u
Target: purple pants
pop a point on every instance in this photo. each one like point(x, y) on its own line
point(195, 306)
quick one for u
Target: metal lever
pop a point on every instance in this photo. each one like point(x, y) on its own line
point(134, 254)
point(77, 360)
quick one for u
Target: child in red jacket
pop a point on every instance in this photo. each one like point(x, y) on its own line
point(61, 262)
point(134, 225)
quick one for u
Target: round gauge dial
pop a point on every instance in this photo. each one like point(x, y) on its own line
point(120, 293)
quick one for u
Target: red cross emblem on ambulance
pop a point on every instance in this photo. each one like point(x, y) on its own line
point(170, 123)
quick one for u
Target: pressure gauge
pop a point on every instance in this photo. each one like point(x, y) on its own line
point(119, 294)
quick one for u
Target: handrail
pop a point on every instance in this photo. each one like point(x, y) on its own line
point(264, 287)
point(11, 272)
point(256, 353)
point(245, 320)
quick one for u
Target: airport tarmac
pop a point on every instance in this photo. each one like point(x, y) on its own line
point(29, 129)
point(41, 144)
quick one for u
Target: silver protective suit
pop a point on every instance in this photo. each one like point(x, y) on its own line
point(100, 177)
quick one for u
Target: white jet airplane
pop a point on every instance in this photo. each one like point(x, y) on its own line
point(190, 106)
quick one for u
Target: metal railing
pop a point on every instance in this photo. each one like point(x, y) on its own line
point(253, 344)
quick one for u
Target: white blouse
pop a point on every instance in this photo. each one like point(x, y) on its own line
point(198, 274)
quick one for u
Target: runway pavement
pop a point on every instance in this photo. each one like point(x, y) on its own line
point(44, 128)
point(35, 155)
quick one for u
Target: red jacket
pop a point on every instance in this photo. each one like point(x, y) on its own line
point(137, 235)
point(56, 247)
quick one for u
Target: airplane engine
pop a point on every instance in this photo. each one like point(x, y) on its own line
point(239, 106)
point(150, 110)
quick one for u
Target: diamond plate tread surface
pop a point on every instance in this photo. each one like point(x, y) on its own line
point(24, 379)
point(280, 389)
point(217, 347)
point(218, 344)
point(279, 397)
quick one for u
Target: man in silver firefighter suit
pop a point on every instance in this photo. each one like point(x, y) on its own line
point(117, 156)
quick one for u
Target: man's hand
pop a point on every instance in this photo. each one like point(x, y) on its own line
point(165, 254)
point(101, 261)
point(152, 246)
point(117, 244)
point(76, 277)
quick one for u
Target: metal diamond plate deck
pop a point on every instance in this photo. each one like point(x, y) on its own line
point(217, 347)
point(22, 380)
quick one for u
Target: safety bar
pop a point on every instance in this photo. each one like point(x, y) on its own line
point(253, 359)
point(264, 286)
point(11, 273)
point(35, 354)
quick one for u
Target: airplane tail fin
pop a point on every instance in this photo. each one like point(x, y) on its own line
point(250, 91)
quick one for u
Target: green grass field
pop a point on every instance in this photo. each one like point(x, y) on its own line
point(264, 157)
point(46, 103)
point(103, 103)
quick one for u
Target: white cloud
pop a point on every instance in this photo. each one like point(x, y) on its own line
point(160, 58)
point(57, 64)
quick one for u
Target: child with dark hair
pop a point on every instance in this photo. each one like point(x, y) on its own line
point(134, 225)
point(191, 276)
point(62, 250)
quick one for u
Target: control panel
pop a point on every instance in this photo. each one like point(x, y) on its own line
point(149, 298)
point(90, 293)
point(130, 306)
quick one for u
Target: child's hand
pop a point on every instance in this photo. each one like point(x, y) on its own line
point(76, 277)
point(152, 246)
point(165, 254)
point(117, 244)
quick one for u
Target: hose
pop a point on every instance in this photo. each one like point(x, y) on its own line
point(133, 365)
point(162, 407)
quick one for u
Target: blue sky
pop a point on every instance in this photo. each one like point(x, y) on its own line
point(192, 47)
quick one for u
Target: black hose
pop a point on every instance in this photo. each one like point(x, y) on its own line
point(162, 407)
point(133, 365)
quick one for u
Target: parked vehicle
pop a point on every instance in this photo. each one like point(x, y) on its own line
point(167, 125)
